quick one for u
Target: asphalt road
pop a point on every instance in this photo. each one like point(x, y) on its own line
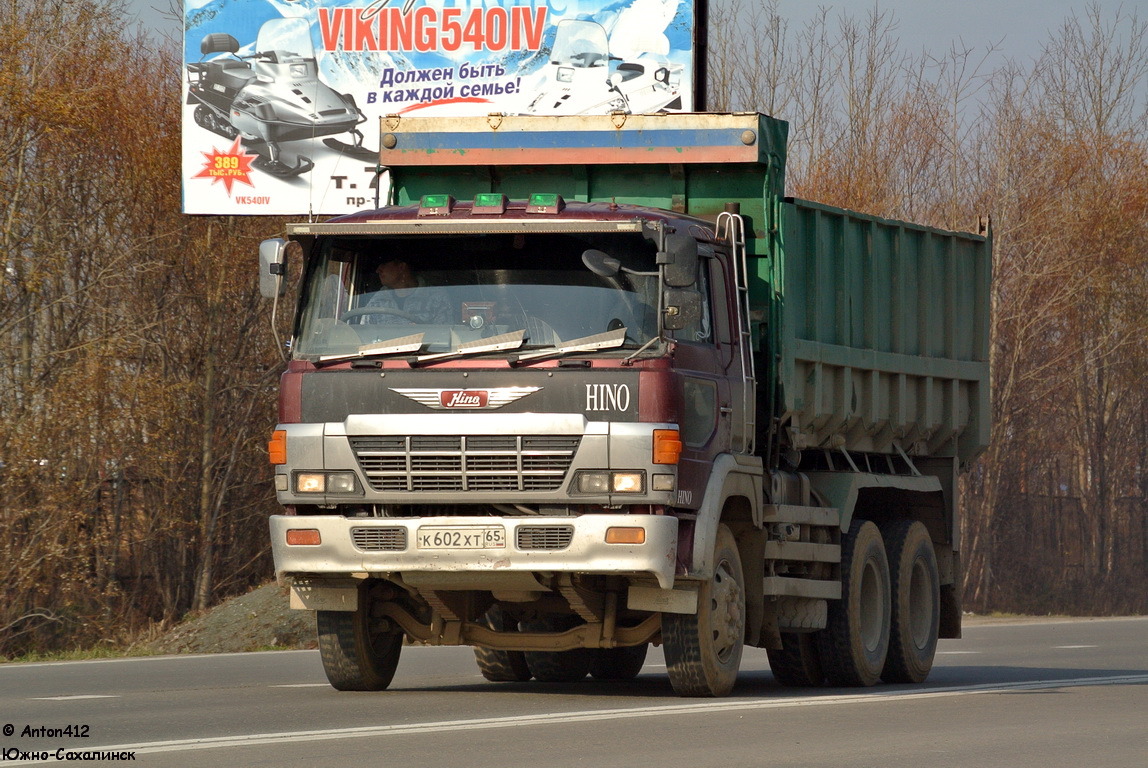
point(1042, 694)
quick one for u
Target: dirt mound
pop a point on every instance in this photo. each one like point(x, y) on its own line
point(257, 621)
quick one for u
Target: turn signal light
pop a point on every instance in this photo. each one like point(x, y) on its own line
point(619, 535)
point(303, 537)
point(667, 446)
point(277, 447)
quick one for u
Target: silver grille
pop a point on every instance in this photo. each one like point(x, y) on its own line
point(380, 539)
point(434, 463)
point(544, 536)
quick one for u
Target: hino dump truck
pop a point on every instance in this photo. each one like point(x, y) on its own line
point(592, 383)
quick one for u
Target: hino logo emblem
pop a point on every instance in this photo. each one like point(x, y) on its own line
point(450, 399)
point(464, 398)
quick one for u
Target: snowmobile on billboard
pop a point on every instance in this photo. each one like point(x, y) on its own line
point(583, 78)
point(272, 96)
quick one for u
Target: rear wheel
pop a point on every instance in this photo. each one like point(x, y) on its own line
point(797, 663)
point(500, 666)
point(556, 666)
point(356, 655)
point(915, 585)
point(703, 650)
point(855, 641)
point(618, 663)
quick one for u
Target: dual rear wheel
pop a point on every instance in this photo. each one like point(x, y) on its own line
point(884, 627)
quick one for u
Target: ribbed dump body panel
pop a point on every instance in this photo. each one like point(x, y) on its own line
point(885, 334)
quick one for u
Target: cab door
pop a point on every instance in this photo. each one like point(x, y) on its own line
point(704, 356)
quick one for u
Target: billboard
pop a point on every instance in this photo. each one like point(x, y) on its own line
point(282, 98)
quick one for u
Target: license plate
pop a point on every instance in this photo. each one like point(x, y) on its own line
point(456, 537)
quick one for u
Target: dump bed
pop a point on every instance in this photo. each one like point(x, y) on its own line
point(872, 333)
point(883, 343)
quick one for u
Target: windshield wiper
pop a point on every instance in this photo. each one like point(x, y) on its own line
point(512, 340)
point(607, 340)
point(403, 345)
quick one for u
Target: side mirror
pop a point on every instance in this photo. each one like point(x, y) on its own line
point(681, 260)
point(272, 267)
point(681, 308)
point(601, 264)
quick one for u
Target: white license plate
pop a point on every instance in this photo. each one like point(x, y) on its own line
point(461, 537)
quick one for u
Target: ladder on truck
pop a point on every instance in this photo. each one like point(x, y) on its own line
point(731, 228)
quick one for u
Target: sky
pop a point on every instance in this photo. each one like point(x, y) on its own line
point(1016, 26)
point(153, 15)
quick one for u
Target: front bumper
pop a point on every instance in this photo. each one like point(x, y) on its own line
point(350, 546)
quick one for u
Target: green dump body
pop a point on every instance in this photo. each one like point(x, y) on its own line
point(870, 335)
point(884, 333)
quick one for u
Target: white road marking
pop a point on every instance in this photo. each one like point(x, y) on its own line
point(586, 716)
point(73, 698)
point(131, 659)
point(1073, 647)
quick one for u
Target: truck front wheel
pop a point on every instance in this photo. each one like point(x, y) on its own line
point(356, 656)
point(703, 650)
point(855, 641)
point(916, 602)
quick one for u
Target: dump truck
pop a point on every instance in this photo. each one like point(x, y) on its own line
point(591, 383)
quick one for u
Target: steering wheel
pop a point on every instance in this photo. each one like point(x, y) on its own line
point(361, 312)
point(617, 323)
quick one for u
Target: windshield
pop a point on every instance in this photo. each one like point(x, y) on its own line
point(286, 38)
point(580, 44)
point(381, 295)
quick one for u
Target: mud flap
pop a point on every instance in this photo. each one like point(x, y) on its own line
point(950, 627)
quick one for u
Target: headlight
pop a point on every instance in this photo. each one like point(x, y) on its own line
point(593, 482)
point(325, 482)
point(627, 482)
point(565, 74)
point(601, 482)
point(341, 482)
point(310, 482)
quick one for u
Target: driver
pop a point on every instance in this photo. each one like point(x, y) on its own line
point(412, 300)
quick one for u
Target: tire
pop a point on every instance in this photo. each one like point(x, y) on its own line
point(354, 658)
point(618, 663)
point(855, 641)
point(500, 666)
point(915, 584)
point(703, 651)
point(556, 666)
point(797, 664)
